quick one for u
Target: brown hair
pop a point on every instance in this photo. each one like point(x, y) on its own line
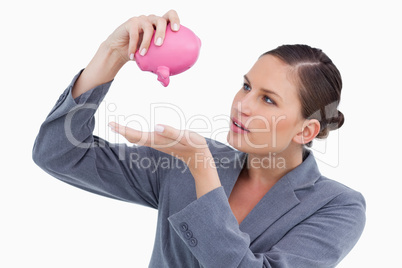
point(319, 83)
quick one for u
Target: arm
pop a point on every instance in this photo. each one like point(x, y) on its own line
point(103, 68)
point(188, 146)
point(321, 240)
point(65, 146)
point(66, 149)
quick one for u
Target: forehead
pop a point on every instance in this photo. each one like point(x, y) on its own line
point(271, 73)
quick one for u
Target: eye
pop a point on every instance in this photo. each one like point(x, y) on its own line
point(268, 100)
point(246, 87)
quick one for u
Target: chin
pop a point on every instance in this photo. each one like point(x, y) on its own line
point(239, 142)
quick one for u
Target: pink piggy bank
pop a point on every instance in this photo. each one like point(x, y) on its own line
point(178, 53)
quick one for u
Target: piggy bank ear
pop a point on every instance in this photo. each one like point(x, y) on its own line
point(163, 73)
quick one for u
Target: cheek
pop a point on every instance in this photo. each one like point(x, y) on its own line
point(285, 128)
point(272, 123)
point(278, 130)
point(282, 124)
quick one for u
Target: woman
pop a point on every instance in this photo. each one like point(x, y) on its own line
point(262, 204)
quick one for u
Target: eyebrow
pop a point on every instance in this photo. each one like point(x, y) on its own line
point(263, 89)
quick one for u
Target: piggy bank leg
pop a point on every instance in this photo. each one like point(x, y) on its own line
point(163, 73)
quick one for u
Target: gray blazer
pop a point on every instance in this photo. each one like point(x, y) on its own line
point(305, 220)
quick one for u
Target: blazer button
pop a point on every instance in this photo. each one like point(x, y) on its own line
point(193, 242)
point(183, 226)
point(189, 234)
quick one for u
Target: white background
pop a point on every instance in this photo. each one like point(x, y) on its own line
point(46, 223)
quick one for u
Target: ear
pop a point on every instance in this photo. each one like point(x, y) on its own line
point(310, 130)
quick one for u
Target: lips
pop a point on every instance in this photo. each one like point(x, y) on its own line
point(239, 125)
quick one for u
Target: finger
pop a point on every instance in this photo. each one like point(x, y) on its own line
point(148, 30)
point(132, 29)
point(141, 137)
point(172, 17)
point(160, 25)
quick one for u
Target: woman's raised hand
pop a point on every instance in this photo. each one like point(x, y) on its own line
point(186, 145)
point(136, 33)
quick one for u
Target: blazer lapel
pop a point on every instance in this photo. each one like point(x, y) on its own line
point(278, 200)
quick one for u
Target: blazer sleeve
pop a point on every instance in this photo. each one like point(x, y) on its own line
point(66, 149)
point(212, 233)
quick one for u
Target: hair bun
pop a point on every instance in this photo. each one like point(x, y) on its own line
point(336, 122)
point(332, 124)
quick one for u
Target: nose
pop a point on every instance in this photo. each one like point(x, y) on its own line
point(245, 105)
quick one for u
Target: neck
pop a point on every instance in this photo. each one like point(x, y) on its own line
point(266, 170)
